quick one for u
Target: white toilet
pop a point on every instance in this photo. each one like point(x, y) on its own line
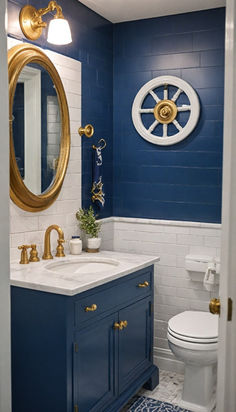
point(192, 337)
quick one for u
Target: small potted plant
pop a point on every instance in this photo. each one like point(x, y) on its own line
point(89, 225)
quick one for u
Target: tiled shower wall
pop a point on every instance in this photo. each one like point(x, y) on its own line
point(175, 292)
point(30, 227)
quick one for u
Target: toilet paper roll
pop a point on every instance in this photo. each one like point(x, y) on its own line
point(209, 278)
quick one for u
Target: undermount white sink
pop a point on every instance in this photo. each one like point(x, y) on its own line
point(83, 265)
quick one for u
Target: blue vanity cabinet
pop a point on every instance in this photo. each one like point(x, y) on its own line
point(66, 358)
point(135, 343)
point(94, 368)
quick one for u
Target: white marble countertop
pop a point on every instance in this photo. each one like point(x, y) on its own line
point(39, 276)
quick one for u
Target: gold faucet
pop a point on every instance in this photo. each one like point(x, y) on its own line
point(47, 245)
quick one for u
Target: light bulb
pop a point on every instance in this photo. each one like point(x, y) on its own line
point(59, 32)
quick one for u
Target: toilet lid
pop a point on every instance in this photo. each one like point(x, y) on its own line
point(194, 325)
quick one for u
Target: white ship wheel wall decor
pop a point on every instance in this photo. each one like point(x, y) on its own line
point(166, 111)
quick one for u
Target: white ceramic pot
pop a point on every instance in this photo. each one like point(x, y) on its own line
point(93, 244)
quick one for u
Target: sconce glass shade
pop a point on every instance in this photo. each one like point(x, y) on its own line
point(59, 32)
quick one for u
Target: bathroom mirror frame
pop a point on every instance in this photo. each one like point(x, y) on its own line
point(18, 57)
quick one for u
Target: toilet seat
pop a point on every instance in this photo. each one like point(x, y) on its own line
point(195, 325)
point(194, 346)
point(194, 330)
point(189, 339)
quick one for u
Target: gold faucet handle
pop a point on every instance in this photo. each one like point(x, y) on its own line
point(24, 255)
point(60, 248)
point(34, 254)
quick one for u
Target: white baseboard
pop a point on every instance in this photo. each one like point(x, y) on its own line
point(165, 360)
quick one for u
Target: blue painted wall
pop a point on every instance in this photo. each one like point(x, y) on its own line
point(179, 182)
point(93, 46)
point(182, 181)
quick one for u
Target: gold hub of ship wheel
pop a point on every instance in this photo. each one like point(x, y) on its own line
point(165, 111)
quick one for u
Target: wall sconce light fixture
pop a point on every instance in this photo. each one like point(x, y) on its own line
point(32, 25)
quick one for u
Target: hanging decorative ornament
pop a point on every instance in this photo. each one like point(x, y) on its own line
point(167, 111)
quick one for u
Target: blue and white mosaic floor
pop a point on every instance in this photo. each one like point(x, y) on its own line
point(143, 404)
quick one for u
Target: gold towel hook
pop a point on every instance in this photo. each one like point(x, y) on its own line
point(99, 142)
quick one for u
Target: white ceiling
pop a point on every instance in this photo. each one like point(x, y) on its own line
point(124, 10)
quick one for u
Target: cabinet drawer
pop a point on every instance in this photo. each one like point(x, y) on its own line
point(130, 288)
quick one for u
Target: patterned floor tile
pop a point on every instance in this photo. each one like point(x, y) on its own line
point(144, 404)
point(169, 388)
point(168, 391)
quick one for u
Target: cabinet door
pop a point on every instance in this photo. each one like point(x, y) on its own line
point(135, 342)
point(94, 369)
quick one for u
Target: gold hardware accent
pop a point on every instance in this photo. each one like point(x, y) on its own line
point(34, 254)
point(60, 248)
point(214, 306)
point(76, 408)
point(230, 309)
point(120, 325)
point(165, 111)
point(24, 255)
point(31, 22)
point(144, 284)
point(47, 245)
point(123, 324)
point(99, 142)
point(18, 57)
point(91, 308)
point(88, 130)
point(116, 325)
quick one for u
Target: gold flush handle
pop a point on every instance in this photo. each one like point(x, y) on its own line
point(88, 130)
point(214, 306)
point(144, 284)
point(91, 308)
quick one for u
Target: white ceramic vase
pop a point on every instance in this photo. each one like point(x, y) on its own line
point(93, 244)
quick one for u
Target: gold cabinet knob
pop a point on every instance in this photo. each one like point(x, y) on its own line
point(214, 306)
point(116, 325)
point(120, 325)
point(123, 324)
point(144, 284)
point(91, 308)
point(88, 130)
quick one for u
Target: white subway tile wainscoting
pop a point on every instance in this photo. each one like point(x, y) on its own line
point(175, 292)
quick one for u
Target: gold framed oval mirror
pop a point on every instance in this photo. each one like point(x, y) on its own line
point(39, 129)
